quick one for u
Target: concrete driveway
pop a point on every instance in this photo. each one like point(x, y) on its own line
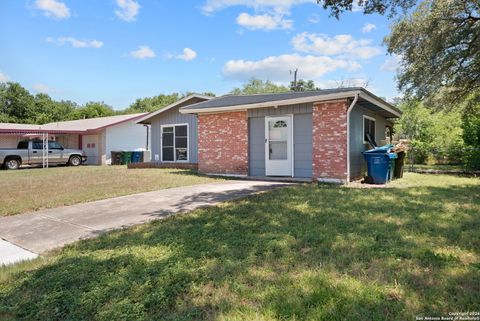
point(37, 232)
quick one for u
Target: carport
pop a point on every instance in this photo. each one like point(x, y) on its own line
point(11, 134)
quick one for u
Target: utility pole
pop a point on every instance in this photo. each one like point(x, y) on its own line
point(294, 72)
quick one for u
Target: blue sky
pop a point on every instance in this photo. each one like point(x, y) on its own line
point(119, 50)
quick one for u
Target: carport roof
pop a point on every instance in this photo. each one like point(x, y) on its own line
point(91, 124)
point(81, 126)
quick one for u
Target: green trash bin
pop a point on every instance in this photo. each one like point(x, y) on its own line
point(126, 158)
point(391, 169)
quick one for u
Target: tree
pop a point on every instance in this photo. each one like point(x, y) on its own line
point(150, 104)
point(93, 110)
point(439, 44)
point(257, 86)
point(17, 104)
point(303, 85)
point(435, 136)
point(369, 6)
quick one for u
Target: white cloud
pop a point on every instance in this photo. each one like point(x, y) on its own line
point(276, 68)
point(187, 55)
point(341, 45)
point(42, 88)
point(127, 10)
point(143, 52)
point(279, 6)
point(53, 8)
point(263, 22)
point(76, 43)
point(368, 27)
point(4, 78)
point(391, 63)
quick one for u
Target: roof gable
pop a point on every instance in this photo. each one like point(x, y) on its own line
point(185, 101)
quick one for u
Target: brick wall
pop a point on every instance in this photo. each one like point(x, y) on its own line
point(330, 140)
point(223, 143)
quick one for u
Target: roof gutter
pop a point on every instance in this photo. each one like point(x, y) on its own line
point(355, 99)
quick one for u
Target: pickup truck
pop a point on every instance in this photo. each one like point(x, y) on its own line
point(30, 152)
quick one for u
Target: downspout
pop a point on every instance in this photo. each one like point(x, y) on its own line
point(348, 135)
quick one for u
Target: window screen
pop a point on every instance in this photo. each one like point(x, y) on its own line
point(368, 128)
point(175, 143)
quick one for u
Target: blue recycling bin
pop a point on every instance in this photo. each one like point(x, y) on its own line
point(137, 157)
point(379, 165)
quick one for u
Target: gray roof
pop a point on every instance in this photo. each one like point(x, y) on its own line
point(241, 102)
point(231, 100)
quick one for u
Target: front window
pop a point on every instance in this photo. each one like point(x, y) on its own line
point(368, 128)
point(175, 143)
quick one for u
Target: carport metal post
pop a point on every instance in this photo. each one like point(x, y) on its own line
point(45, 150)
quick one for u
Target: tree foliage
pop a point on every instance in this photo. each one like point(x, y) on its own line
point(18, 105)
point(391, 7)
point(435, 136)
point(257, 86)
point(150, 104)
point(303, 85)
point(439, 44)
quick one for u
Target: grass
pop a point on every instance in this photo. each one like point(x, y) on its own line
point(309, 252)
point(32, 189)
point(434, 167)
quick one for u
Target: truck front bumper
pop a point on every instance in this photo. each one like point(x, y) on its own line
point(84, 159)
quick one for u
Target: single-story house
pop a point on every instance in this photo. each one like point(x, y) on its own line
point(173, 134)
point(96, 136)
point(315, 134)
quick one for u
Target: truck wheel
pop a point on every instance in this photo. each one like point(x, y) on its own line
point(74, 161)
point(12, 163)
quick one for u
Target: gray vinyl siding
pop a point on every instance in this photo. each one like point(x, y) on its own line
point(171, 117)
point(302, 138)
point(357, 163)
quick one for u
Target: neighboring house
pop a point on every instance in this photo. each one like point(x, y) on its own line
point(314, 134)
point(174, 135)
point(96, 136)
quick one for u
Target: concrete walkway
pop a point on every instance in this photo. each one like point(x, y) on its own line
point(44, 230)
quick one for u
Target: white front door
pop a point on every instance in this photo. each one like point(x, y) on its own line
point(90, 147)
point(278, 146)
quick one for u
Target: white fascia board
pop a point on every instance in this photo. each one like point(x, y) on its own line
point(275, 103)
point(178, 102)
point(379, 103)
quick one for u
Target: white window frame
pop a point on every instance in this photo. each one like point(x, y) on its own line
point(363, 128)
point(174, 147)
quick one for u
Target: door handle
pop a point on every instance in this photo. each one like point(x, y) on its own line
point(49, 151)
point(34, 152)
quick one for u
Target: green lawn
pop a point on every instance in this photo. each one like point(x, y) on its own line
point(435, 167)
point(32, 189)
point(310, 252)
